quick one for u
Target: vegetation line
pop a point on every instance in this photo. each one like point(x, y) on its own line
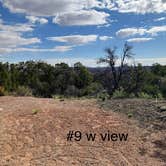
point(43, 80)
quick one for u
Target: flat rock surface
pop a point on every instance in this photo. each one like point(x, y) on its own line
point(39, 138)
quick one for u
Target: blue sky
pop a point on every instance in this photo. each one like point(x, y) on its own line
point(72, 30)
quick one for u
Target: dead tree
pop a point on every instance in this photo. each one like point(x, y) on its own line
point(111, 59)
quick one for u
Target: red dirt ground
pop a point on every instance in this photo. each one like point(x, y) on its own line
point(29, 138)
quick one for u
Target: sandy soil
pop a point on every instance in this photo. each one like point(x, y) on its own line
point(33, 132)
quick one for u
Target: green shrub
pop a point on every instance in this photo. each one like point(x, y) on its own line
point(23, 91)
point(72, 91)
point(144, 95)
point(152, 90)
point(2, 91)
point(35, 111)
point(159, 96)
point(58, 96)
point(130, 115)
point(103, 95)
point(93, 89)
point(163, 87)
point(132, 95)
point(120, 93)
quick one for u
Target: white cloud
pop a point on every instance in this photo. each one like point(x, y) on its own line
point(160, 19)
point(66, 12)
point(127, 32)
point(75, 39)
point(13, 39)
point(55, 49)
point(49, 7)
point(23, 49)
point(16, 28)
point(65, 7)
point(150, 61)
point(34, 19)
point(81, 18)
point(139, 40)
point(43, 21)
point(156, 29)
point(4, 50)
point(62, 48)
point(137, 6)
point(104, 38)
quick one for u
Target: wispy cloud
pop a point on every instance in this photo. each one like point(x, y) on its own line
point(139, 40)
point(16, 27)
point(75, 39)
point(24, 49)
point(63, 48)
point(34, 19)
point(127, 32)
point(150, 61)
point(156, 29)
point(11, 36)
point(160, 19)
point(104, 38)
point(9, 39)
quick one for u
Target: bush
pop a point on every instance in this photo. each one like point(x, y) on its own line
point(2, 91)
point(130, 115)
point(93, 89)
point(163, 87)
point(132, 95)
point(35, 111)
point(103, 95)
point(144, 95)
point(23, 91)
point(152, 90)
point(159, 96)
point(72, 91)
point(120, 93)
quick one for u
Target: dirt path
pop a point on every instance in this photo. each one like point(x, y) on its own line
point(33, 133)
